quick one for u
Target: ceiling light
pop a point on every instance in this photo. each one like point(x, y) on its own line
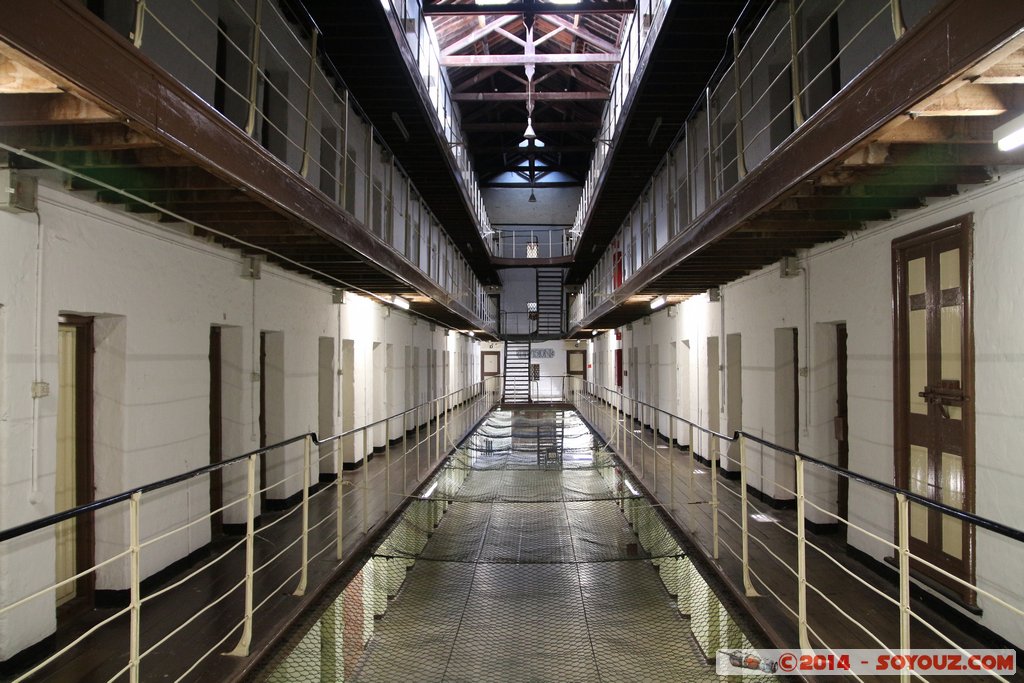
point(400, 125)
point(593, 333)
point(400, 302)
point(629, 485)
point(658, 302)
point(533, 197)
point(529, 134)
point(1010, 135)
point(472, 333)
point(430, 491)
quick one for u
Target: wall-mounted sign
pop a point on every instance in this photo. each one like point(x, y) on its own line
point(542, 353)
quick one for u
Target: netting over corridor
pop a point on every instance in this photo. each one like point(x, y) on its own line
point(530, 557)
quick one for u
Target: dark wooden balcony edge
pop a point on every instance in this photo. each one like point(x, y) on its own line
point(104, 67)
point(948, 41)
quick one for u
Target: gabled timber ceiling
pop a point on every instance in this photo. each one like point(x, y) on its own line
point(916, 125)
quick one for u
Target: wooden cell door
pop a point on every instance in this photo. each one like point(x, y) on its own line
point(74, 537)
point(934, 394)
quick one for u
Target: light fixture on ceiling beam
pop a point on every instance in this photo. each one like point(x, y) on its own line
point(658, 301)
point(593, 333)
point(1010, 135)
point(400, 302)
point(400, 125)
point(530, 134)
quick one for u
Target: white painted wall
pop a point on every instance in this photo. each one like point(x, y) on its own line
point(154, 293)
point(850, 281)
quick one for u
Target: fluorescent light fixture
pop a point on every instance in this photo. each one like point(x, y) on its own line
point(1010, 135)
point(629, 485)
point(400, 125)
point(472, 333)
point(593, 333)
point(400, 302)
point(429, 492)
point(658, 302)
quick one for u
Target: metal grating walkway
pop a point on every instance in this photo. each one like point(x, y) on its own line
point(511, 573)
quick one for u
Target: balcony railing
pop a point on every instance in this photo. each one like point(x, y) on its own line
point(325, 528)
point(774, 556)
point(264, 70)
point(797, 57)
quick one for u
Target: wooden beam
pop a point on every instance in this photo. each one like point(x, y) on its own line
point(48, 109)
point(969, 100)
point(15, 77)
point(533, 7)
point(101, 136)
point(481, 75)
point(477, 35)
point(582, 33)
point(524, 60)
point(537, 185)
point(543, 126)
point(581, 95)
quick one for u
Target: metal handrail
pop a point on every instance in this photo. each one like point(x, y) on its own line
point(970, 517)
point(49, 520)
point(904, 555)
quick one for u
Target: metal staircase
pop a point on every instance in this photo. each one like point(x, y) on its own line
point(549, 303)
point(549, 441)
point(517, 372)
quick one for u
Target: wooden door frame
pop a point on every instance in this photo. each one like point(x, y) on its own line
point(568, 365)
point(85, 491)
point(483, 364)
point(963, 226)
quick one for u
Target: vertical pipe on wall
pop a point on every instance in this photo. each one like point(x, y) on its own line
point(37, 358)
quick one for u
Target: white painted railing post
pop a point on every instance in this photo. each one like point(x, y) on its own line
point(242, 649)
point(136, 595)
point(254, 68)
point(690, 502)
point(671, 466)
point(140, 22)
point(748, 586)
point(367, 438)
point(713, 447)
point(654, 443)
point(903, 517)
point(801, 557)
point(340, 503)
point(437, 431)
point(387, 466)
point(310, 98)
point(307, 447)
